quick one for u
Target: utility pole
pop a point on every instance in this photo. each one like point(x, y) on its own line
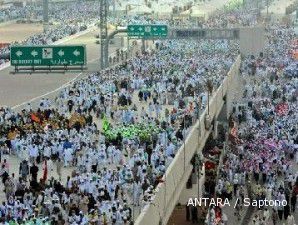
point(31, 10)
point(267, 8)
point(104, 8)
point(114, 8)
point(45, 15)
point(199, 164)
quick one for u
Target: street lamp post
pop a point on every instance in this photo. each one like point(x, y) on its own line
point(208, 102)
point(114, 8)
point(45, 6)
point(199, 164)
point(267, 8)
point(184, 136)
point(209, 86)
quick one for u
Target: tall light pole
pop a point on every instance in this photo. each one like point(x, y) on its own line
point(184, 137)
point(104, 8)
point(209, 87)
point(199, 164)
point(114, 8)
point(267, 8)
point(45, 15)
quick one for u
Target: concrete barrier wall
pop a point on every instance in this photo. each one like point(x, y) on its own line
point(168, 192)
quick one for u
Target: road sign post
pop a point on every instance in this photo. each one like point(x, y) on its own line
point(147, 31)
point(48, 57)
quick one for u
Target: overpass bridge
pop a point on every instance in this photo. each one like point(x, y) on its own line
point(167, 193)
point(251, 39)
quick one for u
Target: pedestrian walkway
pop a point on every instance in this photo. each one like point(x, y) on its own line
point(14, 163)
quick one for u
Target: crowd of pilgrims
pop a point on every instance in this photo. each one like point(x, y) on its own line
point(65, 19)
point(262, 158)
point(74, 11)
point(70, 18)
point(164, 87)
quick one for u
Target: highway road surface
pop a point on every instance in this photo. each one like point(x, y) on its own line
point(8, 31)
point(19, 88)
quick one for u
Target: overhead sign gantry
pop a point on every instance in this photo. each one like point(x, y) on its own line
point(159, 31)
point(147, 31)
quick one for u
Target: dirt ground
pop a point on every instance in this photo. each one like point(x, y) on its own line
point(18, 32)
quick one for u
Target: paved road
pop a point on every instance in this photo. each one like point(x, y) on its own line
point(14, 163)
point(19, 88)
point(8, 31)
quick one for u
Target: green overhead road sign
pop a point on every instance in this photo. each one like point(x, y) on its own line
point(66, 55)
point(147, 31)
